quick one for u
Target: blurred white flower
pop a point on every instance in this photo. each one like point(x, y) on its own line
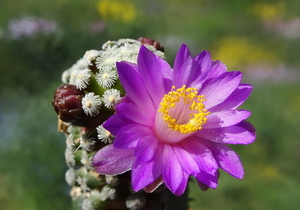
point(29, 26)
point(266, 72)
point(289, 29)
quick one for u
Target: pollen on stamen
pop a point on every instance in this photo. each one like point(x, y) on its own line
point(183, 110)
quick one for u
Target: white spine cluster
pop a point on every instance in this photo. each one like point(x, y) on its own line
point(91, 104)
point(104, 135)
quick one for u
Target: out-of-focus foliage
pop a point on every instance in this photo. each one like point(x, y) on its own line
point(123, 11)
point(260, 38)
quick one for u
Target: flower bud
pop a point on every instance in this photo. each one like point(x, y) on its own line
point(152, 42)
point(68, 105)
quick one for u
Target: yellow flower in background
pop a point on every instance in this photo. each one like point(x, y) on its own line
point(271, 172)
point(124, 11)
point(268, 172)
point(269, 11)
point(238, 51)
point(294, 105)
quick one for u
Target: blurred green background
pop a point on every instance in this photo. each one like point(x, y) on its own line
point(259, 38)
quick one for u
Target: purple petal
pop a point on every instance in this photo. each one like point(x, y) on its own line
point(202, 186)
point(146, 149)
point(192, 71)
point(182, 76)
point(152, 69)
point(172, 173)
point(125, 131)
point(218, 89)
point(183, 61)
point(242, 133)
point(248, 126)
point(154, 185)
point(144, 174)
point(115, 122)
point(181, 57)
point(227, 159)
point(187, 162)
point(183, 184)
point(226, 118)
point(128, 135)
point(210, 180)
point(112, 161)
point(200, 69)
point(236, 99)
point(135, 113)
point(218, 68)
point(201, 154)
point(134, 86)
point(204, 60)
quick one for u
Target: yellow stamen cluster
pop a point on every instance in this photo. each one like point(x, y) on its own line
point(192, 101)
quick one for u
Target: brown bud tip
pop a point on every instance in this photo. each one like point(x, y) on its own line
point(152, 42)
point(67, 103)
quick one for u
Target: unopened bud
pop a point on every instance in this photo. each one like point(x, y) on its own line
point(67, 103)
point(152, 42)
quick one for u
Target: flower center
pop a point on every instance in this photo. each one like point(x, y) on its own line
point(105, 76)
point(89, 104)
point(181, 113)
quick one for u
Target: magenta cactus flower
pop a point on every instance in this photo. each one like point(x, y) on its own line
point(176, 123)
